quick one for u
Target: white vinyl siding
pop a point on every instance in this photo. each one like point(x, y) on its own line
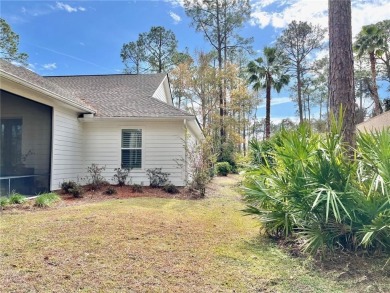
point(67, 154)
point(162, 147)
point(162, 93)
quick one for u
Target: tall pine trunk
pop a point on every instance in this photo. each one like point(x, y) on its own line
point(299, 88)
point(341, 75)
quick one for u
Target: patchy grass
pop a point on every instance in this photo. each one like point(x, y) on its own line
point(46, 199)
point(162, 245)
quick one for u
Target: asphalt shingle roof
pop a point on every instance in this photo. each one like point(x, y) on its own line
point(119, 95)
point(37, 80)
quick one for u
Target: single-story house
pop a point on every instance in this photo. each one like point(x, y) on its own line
point(54, 128)
point(379, 123)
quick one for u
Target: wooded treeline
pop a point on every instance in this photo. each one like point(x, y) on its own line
point(225, 85)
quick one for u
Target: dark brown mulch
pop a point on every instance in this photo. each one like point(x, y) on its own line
point(123, 192)
point(90, 196)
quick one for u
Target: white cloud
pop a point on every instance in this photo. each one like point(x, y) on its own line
point(279, 14)
point(36, 10)
point(49, 66)
point(176, 2)
point(176, 18)
point(278, 120)
point(67, 7)
point(276, 101)
point(41, 8)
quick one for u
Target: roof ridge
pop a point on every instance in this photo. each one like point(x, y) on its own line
point(110, 74)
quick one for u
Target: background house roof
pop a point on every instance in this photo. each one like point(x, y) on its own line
point(379, 122)
point(32, 79)
point(119, 95)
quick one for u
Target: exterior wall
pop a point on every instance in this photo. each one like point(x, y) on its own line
point(163, 93)
point(162, 146)
point(67, 133)
point(67, 149)
point(377, 123)
point(76, 145)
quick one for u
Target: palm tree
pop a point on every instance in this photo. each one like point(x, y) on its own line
point(268, 74)
point(371, 41)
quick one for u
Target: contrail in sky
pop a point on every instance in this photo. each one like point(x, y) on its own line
point(70, 56)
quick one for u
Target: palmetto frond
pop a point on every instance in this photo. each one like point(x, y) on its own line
point(312, 189)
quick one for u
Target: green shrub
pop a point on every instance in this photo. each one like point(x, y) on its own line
point(157, 177)
point(77, 191)
point(170, 188)
point(121, 176)
point(67, 185)
point(46, 199)
point(17, 198)
point(227, 154)
point(137, 188)
point(4, 201)
point(321, 198)
point(222, 168)
point(110, 190)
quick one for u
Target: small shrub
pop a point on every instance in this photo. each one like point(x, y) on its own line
point(17, 198)
point(157, 177)
point(211, 172)
point(199, 160)
point(170, 188)
point(77, 191)
point(222, 168)
point(46, 199)
point(121, 176)
point(97, 180)
point(110, 190)
point(67, 185)
point(137, 188)
point(4, 201)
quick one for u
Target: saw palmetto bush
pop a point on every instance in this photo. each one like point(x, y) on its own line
point(315, 193)
point(374, 181)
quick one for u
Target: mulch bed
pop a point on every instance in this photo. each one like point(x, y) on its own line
point(123, 192)
point(90, 196)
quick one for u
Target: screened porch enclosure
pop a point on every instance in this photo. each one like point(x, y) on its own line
point(25, 145)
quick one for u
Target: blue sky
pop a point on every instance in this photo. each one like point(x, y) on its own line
point(85, 37)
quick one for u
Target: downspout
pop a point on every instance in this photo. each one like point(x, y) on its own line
point(185, 152)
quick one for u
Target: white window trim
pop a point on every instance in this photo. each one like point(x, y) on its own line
point(133, 127)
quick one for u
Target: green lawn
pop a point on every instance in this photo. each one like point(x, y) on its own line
point(162, 245)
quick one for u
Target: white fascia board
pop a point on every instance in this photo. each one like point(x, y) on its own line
point(44, 91)
point(194, 127)
point(124, 119)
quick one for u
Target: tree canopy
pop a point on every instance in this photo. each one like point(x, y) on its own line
point(9, 44)
point(153, 51)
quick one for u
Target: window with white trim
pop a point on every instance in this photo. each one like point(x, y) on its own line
point(131, 148)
